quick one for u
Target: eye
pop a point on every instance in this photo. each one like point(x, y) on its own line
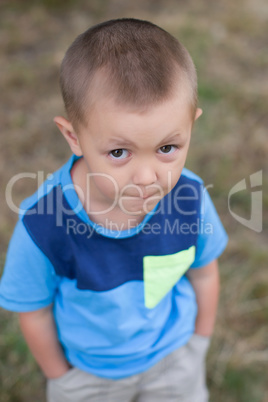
point(119, 154)
point(167, 149)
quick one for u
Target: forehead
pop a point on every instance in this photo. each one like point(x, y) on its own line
point(110, 122)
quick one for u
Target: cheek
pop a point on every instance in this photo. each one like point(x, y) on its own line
point(170, 177)
point(106, 184)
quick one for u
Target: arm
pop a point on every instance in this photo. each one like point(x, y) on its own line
point(205, 282)
point(39, 330)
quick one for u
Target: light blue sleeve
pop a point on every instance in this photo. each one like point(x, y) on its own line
point(212, 238)
point(29, 281)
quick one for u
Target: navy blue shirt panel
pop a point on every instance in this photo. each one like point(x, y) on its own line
point(79, 252)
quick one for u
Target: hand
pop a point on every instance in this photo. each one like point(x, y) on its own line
point(60, 373)
point(39, 330)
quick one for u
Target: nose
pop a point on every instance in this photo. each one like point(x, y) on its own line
point(144, 175)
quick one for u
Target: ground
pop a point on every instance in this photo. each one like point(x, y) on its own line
point(228, 42)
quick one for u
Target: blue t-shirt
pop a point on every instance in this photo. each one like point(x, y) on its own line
point(121, 299)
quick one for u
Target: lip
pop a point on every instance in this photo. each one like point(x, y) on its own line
point(141, 197)
point(144, 196)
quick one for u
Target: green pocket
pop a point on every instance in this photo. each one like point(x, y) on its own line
point(161, 273)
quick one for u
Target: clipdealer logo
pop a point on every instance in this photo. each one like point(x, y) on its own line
point(253, 192)
point(255, 221)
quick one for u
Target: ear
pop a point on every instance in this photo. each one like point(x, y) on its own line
point(69, 134)
point(198, 113)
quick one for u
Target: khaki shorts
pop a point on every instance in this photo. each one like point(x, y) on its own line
point(179, 377)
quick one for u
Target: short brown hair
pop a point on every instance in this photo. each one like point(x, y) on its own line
point(139, 59)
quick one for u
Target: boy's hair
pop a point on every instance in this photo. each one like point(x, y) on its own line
point(134, 62)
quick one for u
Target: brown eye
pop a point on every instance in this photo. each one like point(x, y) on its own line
point(119, 154)
point(167, 149)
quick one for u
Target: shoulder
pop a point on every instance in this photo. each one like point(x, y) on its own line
point(51, 182)
point(189, 176)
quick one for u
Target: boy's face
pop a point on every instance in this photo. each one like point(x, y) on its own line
point(133, 158)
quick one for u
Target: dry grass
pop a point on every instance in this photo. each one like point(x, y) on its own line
point(228, 41)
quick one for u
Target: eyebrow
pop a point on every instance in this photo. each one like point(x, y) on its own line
point(170, 138)
point(121, 142)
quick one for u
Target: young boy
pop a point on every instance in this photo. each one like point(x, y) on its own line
point(112, 265)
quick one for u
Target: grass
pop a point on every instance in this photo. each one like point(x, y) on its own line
point(247, 385)
point(228, 43)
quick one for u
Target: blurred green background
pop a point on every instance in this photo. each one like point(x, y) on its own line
point(228, 42)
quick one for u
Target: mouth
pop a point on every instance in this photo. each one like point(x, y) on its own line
point(141, 196)
point(146, 196)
